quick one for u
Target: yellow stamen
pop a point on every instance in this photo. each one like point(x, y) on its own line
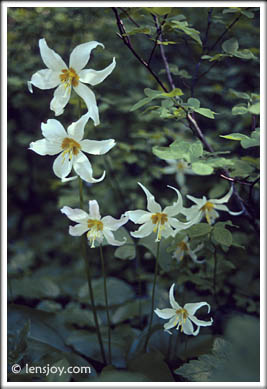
point(180, 166)
point(207, 208)
point(69, 78)
point(71, 147)
point(159, 219)
point(183, 246)
point(182, 316)
point(95, 230)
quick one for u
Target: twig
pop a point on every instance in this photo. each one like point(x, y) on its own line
point(129, 17)
point(225, 32)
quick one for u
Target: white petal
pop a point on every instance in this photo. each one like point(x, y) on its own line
point(193, 256)
point(114, 224)
point(166, 313)
point(145, 230)
point(83, 168)
point(62, 166)
point(80, 54)
point(89, 98)
point(64, 179)
point(76, 129)
point(152, 205)
point(188, 328)
point(173, 303)
point(53, 130)
point(200, 323)
point(167, 231)
point(171, 323)
point(175, 223)
point(139, 216)
point(174, 209)
point(193, 307)
point(97, 147)
point(110, 238)
point(226, 209)
point(39, 147)
point(224, 199)
point(199, 202)
point(180, 178)
point(78, 229)
point(45, 79)
point(75, 214)
point(94, 77)
point(94, 210)
point(60, 99)
point(50, 58)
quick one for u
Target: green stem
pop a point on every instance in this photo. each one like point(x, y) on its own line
point(89, 278)
point(153, 296)
point(106, 301)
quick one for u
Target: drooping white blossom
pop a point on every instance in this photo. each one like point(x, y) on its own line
point(183, 248)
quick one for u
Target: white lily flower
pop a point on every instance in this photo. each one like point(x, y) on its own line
point(70, 145)
point(182, 317)
point(59, 75)
point(157, 220)
point(97, 228)
point(207, 208)
point(183, 248)
point(180, 168)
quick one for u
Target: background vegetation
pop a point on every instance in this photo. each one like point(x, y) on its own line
point(50, 320)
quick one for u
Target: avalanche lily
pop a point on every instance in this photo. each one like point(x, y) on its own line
point(70, 145)
point(182, 317)
point(180, 168)
point(58, 75)
point(183, 248)
point(97, 228)
point(207, 208)
point(157, 220)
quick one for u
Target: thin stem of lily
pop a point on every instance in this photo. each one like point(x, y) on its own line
point(106, 302)
point(153, 296)
point(89, 278)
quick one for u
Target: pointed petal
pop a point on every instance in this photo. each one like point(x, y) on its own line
point(139, 216)
point(110, 238)
point(199, 202)
point(173, 303)
point(174, 209)
point(171, 323)
point(193, 256)
point(50, 58)
point(95, 77)
point(175, 223)
point(152, 205)
point(165, 313)
point(167, 231)
point(45, 79)
point(97, 147)
point(60, 99)
point(145, 230)
point(76, 129)
point(224, 199)
point(83, 168)
point(200, 323)
point(188, 328)
point(193, 307)
point(64, 179)
point(94, 210)
point(75, 214)
point(42, 147)
point(78, 229)
point(80, 55)
point(89, 98)
point(226, 209)
point(114, 224)
point(62, 166)
point(53, 130)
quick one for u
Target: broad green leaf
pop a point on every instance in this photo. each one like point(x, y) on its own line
point(230, 46)
point(235, 136)
point(131, 309)
point(241, 168)
point(239, 110)
point(140, 103)
point(255, 108)
point(164, 152)
point(183, 26)
point(173, 93)
point(220, 162)
point(165, 258)
point(195, 151)
point(241, 95)
point(222, 236)
point(199, 229)
point(205, 112)
point(152, 364)
point(181, 149)
point(253, 141)
point(138, 31)
point(202, 168)
point(194, 103)
point(244, 54)
point(231, 10)
point(160, 11)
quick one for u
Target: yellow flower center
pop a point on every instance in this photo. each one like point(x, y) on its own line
point(159, 219)
point(95, 230)
point(183, 246)
point(69, 78)
point(180, 166)
point(182, 315)
point(207, 208)
point(71, 147)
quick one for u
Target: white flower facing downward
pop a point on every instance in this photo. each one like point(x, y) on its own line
point(59, 75)
point(180, 168)
point(207, 208)
point(157, 220)
point(182, 318)
point(70, 145)
point(183, 248)
point(97, 228)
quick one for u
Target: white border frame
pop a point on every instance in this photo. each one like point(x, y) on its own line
point(101, 4)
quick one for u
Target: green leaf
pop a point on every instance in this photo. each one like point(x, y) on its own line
point(181, 149)
point(194, 103)
point(198, 230)
point(152, 365)
point(166, 43)
point(235, 136)
point(165, 258)
point(164, 152)
point(244, 54)
point(230, 46)
point(183, 26)
point(205, 112)
point(173, 93)
point(202, 168)
point(222, 236)
point(126, 251)
point(239, 110)
point(139, 30)
point(140, 103)
point(255, 108)
point(253, 141)
point(160, 11)
point(195, 150)
point(242, 168)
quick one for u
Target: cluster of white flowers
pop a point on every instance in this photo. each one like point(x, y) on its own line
point(71, 147)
